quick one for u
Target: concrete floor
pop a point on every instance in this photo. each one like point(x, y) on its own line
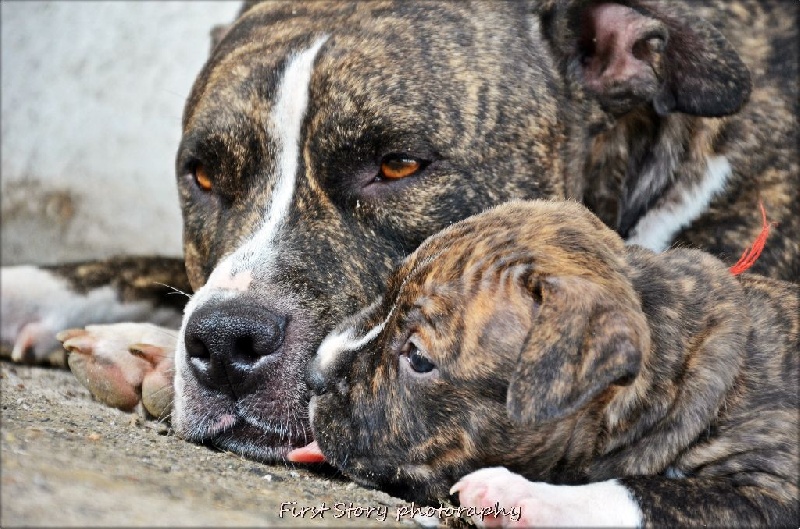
point(70, 461)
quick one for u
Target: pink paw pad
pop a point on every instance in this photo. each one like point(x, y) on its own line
point(124, 364)
point(492, 488)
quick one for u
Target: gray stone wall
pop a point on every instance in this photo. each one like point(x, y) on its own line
point(92, 95)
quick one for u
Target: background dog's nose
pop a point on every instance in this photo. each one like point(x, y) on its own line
point(225, 342)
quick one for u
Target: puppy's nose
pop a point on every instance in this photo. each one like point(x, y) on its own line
point(316, 380)
point(226, 343)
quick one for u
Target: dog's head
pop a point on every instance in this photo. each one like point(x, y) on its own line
point(323, 142)
point(494, 338)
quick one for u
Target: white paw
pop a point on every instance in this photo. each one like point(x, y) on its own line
point(36, 304)
point(124, 363)
point(599, 504)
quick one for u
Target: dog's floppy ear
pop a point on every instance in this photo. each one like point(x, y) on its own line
point(582, 341)
point(629, 52)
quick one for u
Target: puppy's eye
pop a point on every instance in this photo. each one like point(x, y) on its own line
point(201, 178)
point(397, 166)
point(416, 360)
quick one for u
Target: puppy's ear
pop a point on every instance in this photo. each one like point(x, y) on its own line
point(581, 343)
point(637, 51)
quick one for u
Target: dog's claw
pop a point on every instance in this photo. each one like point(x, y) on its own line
point(153, 354)
point(157, 386)
point(65, 335)
point(76, 341)
point(117, 382)
point(119, 374)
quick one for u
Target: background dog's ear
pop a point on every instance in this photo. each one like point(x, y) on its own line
point(630, 53)
point(580, 344)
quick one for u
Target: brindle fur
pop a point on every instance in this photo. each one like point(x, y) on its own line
point(568, 357)
point(507, 100)
point(159, 280)
point(501, 99)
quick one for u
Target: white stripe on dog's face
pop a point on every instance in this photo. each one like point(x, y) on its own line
point(285, 125)
point(286, 121)
point(660, 225)
point(234, 273)
point(341, 341)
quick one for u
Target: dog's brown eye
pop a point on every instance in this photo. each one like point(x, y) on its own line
point(417, 360)
point(201, 177)
point(394, 167)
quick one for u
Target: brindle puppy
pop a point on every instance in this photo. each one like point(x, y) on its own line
point(653, 388)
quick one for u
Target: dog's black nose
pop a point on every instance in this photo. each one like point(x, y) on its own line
point(227, 341)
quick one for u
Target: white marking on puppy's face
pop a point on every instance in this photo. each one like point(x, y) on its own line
point(339, 342)
point(343, 340)
point(659, 226)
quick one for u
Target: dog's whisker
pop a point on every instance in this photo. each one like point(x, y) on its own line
point(165, 419)
point(161, 390)
point(175, 290)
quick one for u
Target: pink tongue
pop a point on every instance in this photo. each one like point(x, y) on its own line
point(308, 454)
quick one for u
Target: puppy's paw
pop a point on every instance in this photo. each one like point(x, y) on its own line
point(124, 363)
point(600, 504)
point(488, 488)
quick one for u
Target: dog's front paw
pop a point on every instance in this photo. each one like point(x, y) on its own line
point(124, 363)
point(534, 504)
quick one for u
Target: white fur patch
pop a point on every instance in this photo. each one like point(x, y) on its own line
point(223, 279)
point(36, 304)
point(235, 272)
point(336, 343)
point(285, 125)
point(659, 226)
point(601, 504)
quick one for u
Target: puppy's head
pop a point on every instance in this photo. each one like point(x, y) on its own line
point(493, 338)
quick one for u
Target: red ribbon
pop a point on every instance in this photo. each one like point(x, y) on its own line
point(751, 254)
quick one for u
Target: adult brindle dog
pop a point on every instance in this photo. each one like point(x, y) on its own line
point(323, 142)
point(643, 388)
